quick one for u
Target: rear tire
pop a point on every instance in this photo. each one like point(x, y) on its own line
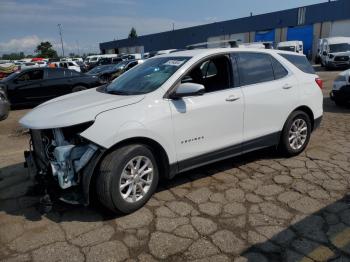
point(78, 88)
point(127, 178)
point(295, 134)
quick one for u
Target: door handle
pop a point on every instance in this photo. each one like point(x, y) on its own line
point(287, 86)
point(232, 98)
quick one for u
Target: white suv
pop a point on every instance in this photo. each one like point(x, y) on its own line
point(172, 113)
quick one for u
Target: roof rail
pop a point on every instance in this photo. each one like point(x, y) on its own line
point(262, 44)
point(224, 43)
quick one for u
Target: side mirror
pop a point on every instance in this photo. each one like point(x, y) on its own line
point(188, 89)
point(324, 53)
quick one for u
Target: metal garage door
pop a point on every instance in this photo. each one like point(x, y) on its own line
point(262, 36)
point(340, 28)
point(302, 33)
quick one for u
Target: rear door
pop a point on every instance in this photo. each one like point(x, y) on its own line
point(270, 94)
point(56, 83)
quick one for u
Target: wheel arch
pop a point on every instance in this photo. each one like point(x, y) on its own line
point(308, 111)
point(157, 149)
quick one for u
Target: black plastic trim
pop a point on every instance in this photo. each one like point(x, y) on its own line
point(224, 153)
point(317, 122)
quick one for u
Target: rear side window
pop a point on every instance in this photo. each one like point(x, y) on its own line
point(300, 62)
point(55, 73)
point(278, 69)
point(254, 68)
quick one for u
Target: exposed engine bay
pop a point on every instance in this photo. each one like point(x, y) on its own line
point(61, 154)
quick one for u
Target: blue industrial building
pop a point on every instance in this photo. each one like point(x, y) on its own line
point(308, 24)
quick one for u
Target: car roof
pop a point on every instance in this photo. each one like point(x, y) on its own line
point(200, 53)
point(338, 40)
point(285, 43)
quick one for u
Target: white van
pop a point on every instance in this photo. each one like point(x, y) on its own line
point(335, 52)
point(293, 46)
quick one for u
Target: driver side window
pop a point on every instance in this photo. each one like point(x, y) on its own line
point(214, 74)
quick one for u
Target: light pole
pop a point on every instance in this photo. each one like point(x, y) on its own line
point(60, 32)
point(78, 47)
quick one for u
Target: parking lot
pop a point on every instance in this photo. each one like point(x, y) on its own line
point(258, 207)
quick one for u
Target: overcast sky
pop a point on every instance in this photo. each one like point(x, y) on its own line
point(86, 23)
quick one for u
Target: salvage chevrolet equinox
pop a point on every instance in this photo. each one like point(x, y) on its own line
point(168, 115)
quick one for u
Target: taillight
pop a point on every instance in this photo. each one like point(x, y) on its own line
point(319, 82)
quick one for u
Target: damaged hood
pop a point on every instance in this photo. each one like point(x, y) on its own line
point(74, 109)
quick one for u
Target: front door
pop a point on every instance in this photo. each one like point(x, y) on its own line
point(26, 87)
point(208, 127)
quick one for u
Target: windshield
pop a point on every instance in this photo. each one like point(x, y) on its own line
point(98, 69)
point(339, 48)
point(287, 48)
point(93, 59)
point(146, 77)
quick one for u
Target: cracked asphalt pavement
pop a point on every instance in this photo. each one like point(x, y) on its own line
point(258, 207)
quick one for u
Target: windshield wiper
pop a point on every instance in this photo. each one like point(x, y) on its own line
point(117, 92)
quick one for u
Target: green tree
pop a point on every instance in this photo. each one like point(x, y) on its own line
point(13, 56)
point(44, 49)
point(132, 33)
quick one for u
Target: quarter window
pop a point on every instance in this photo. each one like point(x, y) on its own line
point(254, 68)
point(278, 69)
point(301, 62)
point(55, 73)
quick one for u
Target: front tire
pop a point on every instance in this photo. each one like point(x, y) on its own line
point(127, 178)
point(295, 134)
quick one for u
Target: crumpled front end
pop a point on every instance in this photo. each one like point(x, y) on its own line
point(60, 157)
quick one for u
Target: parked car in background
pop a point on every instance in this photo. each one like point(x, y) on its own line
point(83, 67)
point(70, 65)
point(292, 46)
point(27, 65)
point(109, 60)
point(105, 72)
point(34, 86)
point(169, 115)
point(131, 56)
point(92, 61)
point(125, 66)
point(7, 69)
point(41, 63)
point(340, 93)
point(77, 59)
point(335, 52)
point(4, 105)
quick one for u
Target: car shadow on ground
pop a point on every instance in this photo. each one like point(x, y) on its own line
point(321, 236)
